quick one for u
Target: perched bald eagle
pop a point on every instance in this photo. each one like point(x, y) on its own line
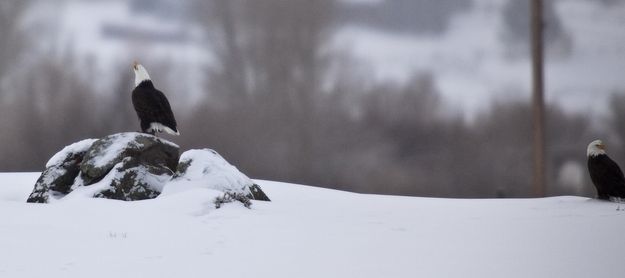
point(151, 105)
point(605, 173)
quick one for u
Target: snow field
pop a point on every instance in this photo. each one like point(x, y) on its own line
point(307, 232)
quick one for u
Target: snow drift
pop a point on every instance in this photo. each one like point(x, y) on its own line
point(307, 232)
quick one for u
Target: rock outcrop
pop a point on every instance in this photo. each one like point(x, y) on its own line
point(136, 166)
point(127, 166)
point(134, 180)
point(145, 149)
point(207, 169)
point(61, 170)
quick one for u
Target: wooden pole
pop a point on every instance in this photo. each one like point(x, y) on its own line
point(539, 181)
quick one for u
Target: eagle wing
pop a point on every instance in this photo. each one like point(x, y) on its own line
point(165, 115)
point(152, 106)
point(616, 177)
point(607, 176)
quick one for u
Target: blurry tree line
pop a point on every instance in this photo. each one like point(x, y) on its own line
point(281, 104)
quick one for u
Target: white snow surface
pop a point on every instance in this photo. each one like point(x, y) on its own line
point(307, 232)
point(77, 147)
point(208, 170)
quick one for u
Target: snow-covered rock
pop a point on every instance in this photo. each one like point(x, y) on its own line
point(205, 168)
point(60, 172)
point(124, 166)
point(135, 166)
point(133, 180)
point(110, 150)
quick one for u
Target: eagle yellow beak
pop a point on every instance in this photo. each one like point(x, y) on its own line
point(601, 146)
point(135, 65)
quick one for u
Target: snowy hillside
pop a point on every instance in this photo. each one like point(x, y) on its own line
point(307, 232)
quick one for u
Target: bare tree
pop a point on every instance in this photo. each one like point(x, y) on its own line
point(516, 32)
point(273, 110)
point(270, 63)
point(616, 127)
point(120, 115)
point(13, 38)
point(49, 112)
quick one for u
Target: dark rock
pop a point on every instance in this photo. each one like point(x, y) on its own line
point(134, 166)
point(108, 151)
point(133, 180)
point(257, 194)
point(183, 165)
point(61, 171)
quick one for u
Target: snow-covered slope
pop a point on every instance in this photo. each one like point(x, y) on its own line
point(307, 232)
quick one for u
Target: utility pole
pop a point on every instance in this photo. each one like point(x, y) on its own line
point(538, 104)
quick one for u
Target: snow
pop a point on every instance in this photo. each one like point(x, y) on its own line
point(80, 191)
point(117, 143)
point(307, 232)
point(208, 169)
point(80, 146)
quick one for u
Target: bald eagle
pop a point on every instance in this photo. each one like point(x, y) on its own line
point(151, 105)
point(605, 173)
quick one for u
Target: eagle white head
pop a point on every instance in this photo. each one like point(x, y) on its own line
point(141, 74)
point(595, 148)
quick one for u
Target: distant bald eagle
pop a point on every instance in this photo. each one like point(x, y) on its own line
point(151, 105)
point(605, 173)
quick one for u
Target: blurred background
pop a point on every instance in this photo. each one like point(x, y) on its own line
point(408, 97)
